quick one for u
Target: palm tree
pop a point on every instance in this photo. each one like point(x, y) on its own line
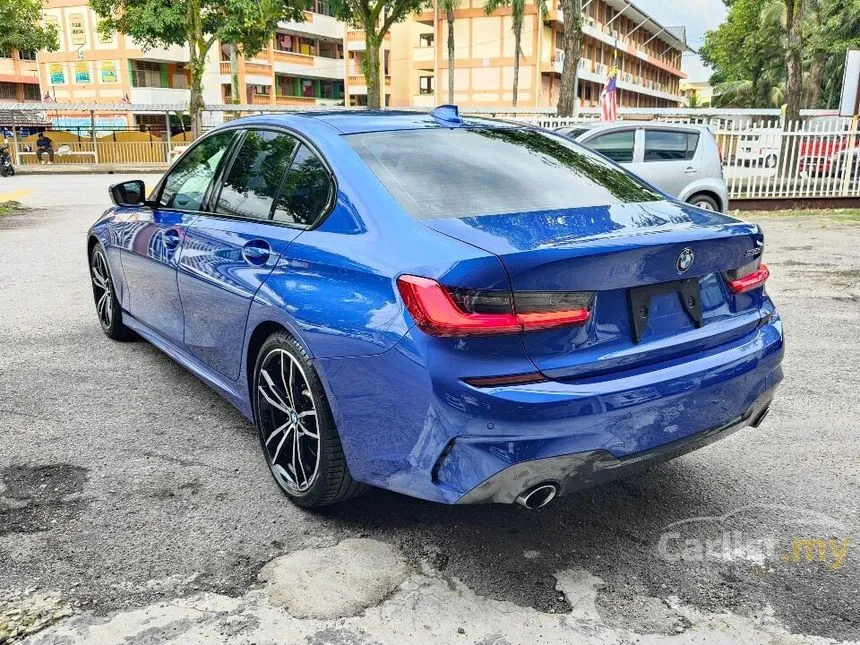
point(518, 12)
point(450, 6)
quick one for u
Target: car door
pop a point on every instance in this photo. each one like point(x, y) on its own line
point(230, 251)
point(669, 158)
point(619, 145)
point(152, 245)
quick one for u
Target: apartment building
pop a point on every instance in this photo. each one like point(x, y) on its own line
point(303, 65)
point(19, 77)
point(90, 67)
point(649, 57)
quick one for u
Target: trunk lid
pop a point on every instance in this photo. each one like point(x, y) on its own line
point(612, 250)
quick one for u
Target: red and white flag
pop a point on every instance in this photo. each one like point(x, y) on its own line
point(609, 95)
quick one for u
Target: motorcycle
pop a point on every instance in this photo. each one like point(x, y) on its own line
point(6, 167)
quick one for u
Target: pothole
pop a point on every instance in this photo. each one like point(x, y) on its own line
point(334, 582)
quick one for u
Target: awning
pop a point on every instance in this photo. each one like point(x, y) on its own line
point(22, 119)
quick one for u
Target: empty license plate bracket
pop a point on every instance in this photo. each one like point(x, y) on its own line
point(639, 299)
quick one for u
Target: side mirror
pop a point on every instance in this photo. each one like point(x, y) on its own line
point(128, 193)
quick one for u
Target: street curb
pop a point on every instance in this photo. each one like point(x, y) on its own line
point(90, 169)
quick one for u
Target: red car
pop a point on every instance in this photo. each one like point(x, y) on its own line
point(824, 146)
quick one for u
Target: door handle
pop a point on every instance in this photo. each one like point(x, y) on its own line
point(689, 170)
point(256, 252)
point(171, 238)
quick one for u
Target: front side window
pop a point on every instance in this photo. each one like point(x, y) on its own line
point(306, 192)
point(256, 174)
point(463, 172)
point(185, 186)
point(618, 146)
point(667, 145)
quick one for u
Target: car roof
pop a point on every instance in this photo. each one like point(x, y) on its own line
point(648, 125)
point(355, 121)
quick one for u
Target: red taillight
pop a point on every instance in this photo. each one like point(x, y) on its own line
point(750, 281)
point(441, 312)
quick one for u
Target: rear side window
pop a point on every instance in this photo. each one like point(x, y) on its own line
point(618, 146)
point(306, 192)
point(185, 186)
point(666, 145)
point(462, 172)
point(250, 187)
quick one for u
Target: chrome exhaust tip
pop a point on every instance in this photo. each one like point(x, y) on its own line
point(538, 496)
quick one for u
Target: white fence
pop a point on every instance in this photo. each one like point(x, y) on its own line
point(762, 159)
point(817, 157)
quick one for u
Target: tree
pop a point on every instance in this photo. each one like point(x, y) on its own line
point(793, 59)
point(747, 57)
point(197, 24)
point(572, 45)
point(22, 30)
point(761, 40)
point(375, 17)
point(450, 6)
point(518, 12)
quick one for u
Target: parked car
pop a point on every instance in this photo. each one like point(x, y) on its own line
point(759, 147)
point(681, 160)
point(462, 310)
point(825, 142)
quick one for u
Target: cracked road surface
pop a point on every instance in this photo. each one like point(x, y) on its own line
point(135, 499)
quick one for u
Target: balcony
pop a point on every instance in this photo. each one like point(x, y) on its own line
point(355, 41)
point(423, 57)
point(159, 96)
point(295, 64)
point(424, 100)
point(316, 24)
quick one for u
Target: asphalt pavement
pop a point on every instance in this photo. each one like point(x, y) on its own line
point(135, 503)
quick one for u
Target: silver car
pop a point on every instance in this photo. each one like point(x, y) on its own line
point(681, 160)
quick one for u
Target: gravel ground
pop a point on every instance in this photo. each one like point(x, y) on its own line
point(125, 482)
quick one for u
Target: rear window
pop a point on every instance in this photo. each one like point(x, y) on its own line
point(462, 172)
point(669, 145)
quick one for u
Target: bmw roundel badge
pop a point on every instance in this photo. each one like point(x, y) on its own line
point(685, 260)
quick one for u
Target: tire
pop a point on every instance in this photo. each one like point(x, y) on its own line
point(289, 406)
point(107, 306)
point(704, 202)
point(770, 161)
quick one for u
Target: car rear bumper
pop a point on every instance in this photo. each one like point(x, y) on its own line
point(570, 473)
point(410, 425)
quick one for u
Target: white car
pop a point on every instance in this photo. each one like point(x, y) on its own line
point(759, 148)
point(679, 159)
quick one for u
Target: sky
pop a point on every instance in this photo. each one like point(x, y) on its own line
point(697, 16)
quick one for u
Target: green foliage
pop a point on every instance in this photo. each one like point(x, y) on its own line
point(367, 14)
point(747, 51)
point(161, 23)
point(375, 17)
point(197, 24)
point(20, 28)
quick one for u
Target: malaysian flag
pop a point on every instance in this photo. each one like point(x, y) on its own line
point(608, 97)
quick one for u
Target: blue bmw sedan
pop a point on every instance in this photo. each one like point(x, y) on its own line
point(461, 310)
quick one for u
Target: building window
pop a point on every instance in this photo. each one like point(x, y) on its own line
point(145, 74)
point(322, 6)
point(331, 89)
point(425, 40)
point(31, 92)
point(9, 91)
point(425, 84)
point(260, 90)
point(27, 55)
